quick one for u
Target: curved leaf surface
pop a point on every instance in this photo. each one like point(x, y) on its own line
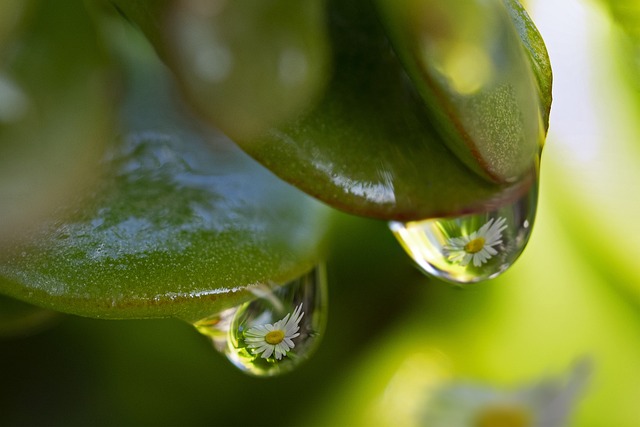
point(467, 62)
point(537, 53)
point(183, 223)
point(244, 64)
point(369, 146)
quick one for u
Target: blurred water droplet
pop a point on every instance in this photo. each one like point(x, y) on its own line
point(213, 63)
point(470, 248)
point(292, 67)
point(276, 331)
point(14, 103)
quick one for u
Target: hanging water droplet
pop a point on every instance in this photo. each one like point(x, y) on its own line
point(276, 331)
point(470, 248)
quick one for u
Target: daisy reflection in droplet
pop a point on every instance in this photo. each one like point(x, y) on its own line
point(274, 339)
point(477, 246)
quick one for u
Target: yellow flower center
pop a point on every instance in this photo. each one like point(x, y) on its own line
point(503, 416)
point(475, 245)
point(274, 337)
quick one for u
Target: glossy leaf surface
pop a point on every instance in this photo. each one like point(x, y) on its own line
point(244, 64)
point(537, 52)
point(466, 60)
point(369, 146)
point(182, 224)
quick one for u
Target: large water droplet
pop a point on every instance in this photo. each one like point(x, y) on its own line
point(470, 248)
point(276, 331)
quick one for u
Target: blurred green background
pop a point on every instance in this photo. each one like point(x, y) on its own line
point(395, 336)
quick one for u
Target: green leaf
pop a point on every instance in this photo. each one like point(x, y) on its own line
point(369, 146)
point(467, 62)
point(244, 64)
point(182, 224)
point(538, 56)
point(55, 112)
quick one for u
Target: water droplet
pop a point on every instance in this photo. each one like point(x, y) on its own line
point(292, 67)
point(276, 331)
point(14, 103)
point(213, 63)
point(470, 248)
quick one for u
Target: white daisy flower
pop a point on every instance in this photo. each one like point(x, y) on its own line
point(478, 246)
point(275, 339)
point(548, 403)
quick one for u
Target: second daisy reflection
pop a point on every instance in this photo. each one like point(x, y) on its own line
point(470, 248)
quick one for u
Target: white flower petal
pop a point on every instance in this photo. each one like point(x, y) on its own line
point(283, 347)
point(268, 352)
point(496, 229)
point(477, 261)
point(457, 256)
point(466, 259)
point(255, 337)
point(259, 349)
point(492, 244)
point(491, 251)
point(490, 232)
point(279, 352)
point(456, 243)
point(483, 230)
point(257, 330)
point(283, 321)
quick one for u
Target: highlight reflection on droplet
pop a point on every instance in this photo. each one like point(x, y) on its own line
point(470, 248)
point(276, 331)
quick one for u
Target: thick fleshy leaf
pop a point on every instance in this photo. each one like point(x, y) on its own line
point(467, 62)
point(369, 146)
point(538, 55)
point(55, 112)
point(183, 223)
point(244, 64)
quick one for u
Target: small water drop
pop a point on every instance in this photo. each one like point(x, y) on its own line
point(470, 248)
point(276, 331)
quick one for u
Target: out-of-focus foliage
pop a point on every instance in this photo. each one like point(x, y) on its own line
point(627, 14)
point(10, 15)
point(55, 109)
point(19, 319)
